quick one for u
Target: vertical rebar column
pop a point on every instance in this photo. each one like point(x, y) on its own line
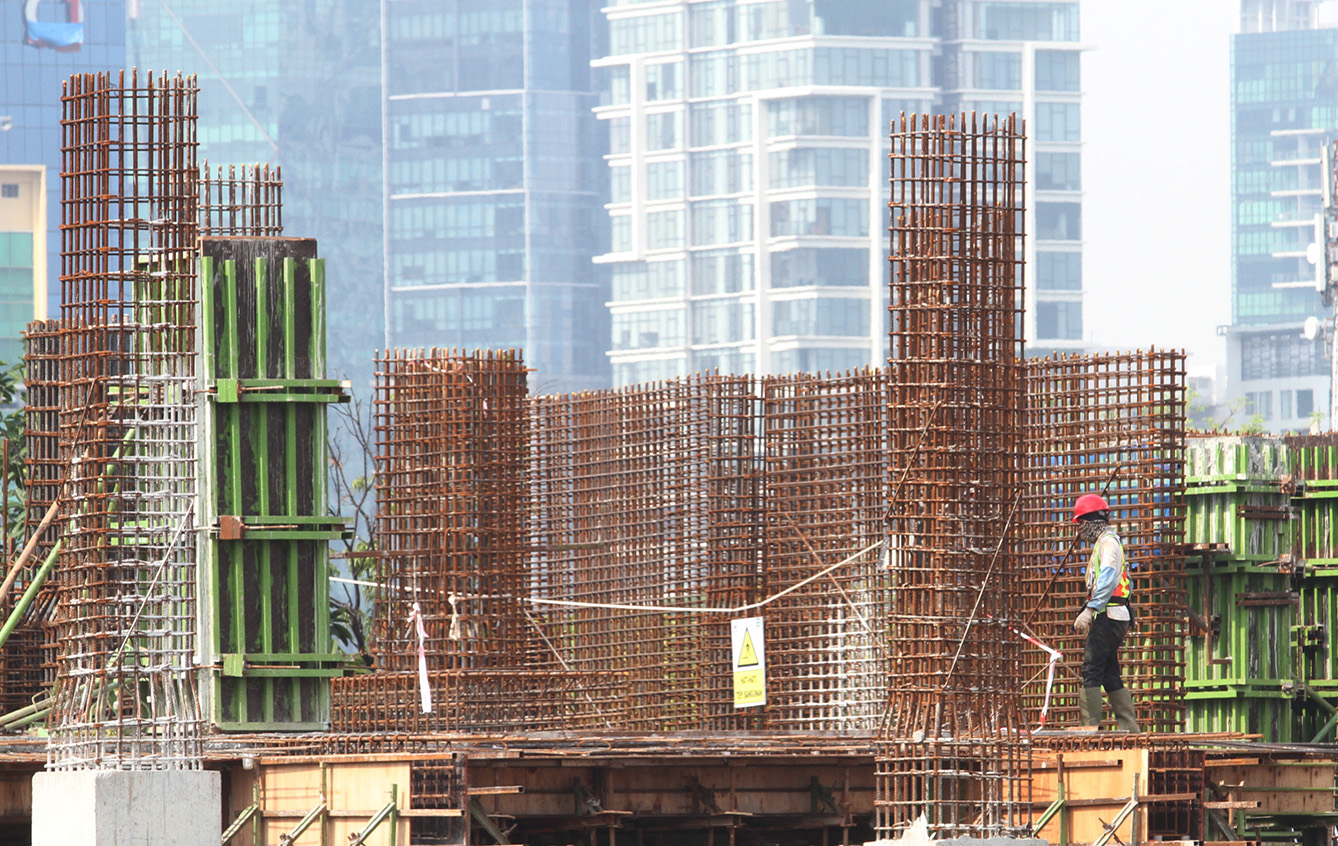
point(955, 403)
point(245, 201)
point(126, 621)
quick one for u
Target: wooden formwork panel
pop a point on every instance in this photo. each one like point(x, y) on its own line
point(1097, 784)
point(657, 788)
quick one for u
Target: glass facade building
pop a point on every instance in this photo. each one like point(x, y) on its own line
point(494, 182)
point(23, 255)
point(748, 169)
point(295, 84)
point(36, 57)
point(1284, 110)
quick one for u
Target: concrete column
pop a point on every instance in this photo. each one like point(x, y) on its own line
point(146, 808)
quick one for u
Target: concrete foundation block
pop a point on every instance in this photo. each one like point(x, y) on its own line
point(144, 808)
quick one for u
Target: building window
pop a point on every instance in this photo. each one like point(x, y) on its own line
point(664, 130)
point(1259, 404)
point(721, 272)
point(1027, 21)
point(9, 190)
point(1058, 122)
point(837, 316)
point(620, 184)
point(1059, 271)
point(664, 180)
point(1305, 402)
point(1056, 70)
point(805, 166)
point(1058, 171)
point(721, 172)
point(998, 71)
point(1281, 355)
point(664, 81)
point(620, 135)
point(820, 266)
point(1059, 321)
point(1285, 405)
point(1059, 221)
point(820, 216)
point(664, 230)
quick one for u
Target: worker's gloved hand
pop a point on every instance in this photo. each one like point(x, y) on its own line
point(1084, 621)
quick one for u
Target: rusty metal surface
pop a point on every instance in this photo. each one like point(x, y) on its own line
point(955, 399)
point(828, 640)
point(1093, 421)
point(244, 201)
point(125, 624)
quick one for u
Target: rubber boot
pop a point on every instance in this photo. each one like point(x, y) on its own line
point(1122, 703)
point(1089, 707)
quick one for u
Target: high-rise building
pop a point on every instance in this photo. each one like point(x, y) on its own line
point(748, 169)
point(23, 256)
point(494, 182)
point(295, 84)
point(41, 46)
point(1284, 111)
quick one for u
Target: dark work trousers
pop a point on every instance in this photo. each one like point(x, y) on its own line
point(1100, 659)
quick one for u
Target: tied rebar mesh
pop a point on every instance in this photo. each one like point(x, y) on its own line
point(126, 691)
point(245, 201)
point(955, 404)
point(1112, 424)
point(827, 641)
point(43, 359)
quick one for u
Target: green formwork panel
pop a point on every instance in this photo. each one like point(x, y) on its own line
point(1313, 633)
point(1219, 458)
point(264, 458)
point(1252, 519)
point(1252, 611)
point(1272, 714)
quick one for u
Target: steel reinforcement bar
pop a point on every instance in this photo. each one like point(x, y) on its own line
point(1112, 424)
point(125, 626)
point(954, 408)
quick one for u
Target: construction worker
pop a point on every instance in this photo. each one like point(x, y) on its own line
point(1105, 615)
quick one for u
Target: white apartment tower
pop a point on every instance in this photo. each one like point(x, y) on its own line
point(749, 177)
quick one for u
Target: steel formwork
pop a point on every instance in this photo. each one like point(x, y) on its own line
point(1112, 423)
point(955, 399)
point(126, 617)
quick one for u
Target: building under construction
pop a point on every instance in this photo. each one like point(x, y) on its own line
point(791, 609)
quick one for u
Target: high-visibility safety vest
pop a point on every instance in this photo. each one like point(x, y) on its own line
point(1122, 587)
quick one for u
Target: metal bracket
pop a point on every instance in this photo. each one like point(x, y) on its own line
point(388, 812)
point(242, 819)
point(312, 815)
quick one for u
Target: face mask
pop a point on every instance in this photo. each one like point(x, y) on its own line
point(1090, 530)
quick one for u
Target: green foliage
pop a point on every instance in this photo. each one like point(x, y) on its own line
point(352, 489)
point(12, 432)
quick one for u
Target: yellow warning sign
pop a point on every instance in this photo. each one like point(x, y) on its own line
point(749, 654)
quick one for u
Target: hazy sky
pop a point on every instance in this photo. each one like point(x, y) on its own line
point(1156, 174)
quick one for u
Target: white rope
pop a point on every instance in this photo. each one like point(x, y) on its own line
point(676, 609)
point(614, 606)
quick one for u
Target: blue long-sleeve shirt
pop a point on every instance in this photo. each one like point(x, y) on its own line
point(1110, 564)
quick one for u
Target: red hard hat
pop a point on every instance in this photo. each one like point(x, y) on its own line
point(1086, 504)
